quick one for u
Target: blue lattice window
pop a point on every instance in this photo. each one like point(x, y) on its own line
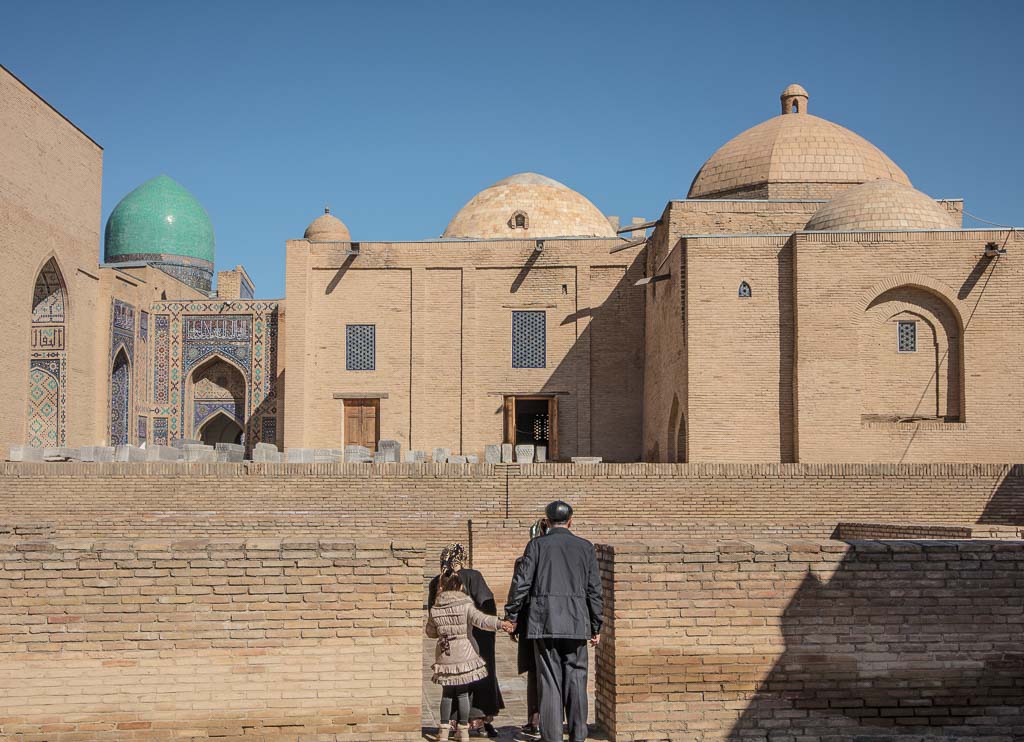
point(360, 347)
point(529, 339)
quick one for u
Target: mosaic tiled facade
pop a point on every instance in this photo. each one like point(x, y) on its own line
point(47, 374)
point(192, 338)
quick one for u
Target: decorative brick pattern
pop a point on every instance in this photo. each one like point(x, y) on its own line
point(279, 632)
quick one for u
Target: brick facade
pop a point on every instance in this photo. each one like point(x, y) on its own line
point(161, 640)
point(871, 640)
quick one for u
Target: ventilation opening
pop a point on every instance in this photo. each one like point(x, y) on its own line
point(744, 292)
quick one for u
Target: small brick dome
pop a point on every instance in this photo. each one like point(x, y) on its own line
point(880, 205)
point(327, 228)
point(528, 206)
point(793, 155)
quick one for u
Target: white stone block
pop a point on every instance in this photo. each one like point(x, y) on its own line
point(525, 454)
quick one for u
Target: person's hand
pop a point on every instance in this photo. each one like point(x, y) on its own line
point(508, 627)
point(595, 640)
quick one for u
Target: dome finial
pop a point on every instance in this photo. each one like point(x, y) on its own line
point(327, 209)
point(794, 99)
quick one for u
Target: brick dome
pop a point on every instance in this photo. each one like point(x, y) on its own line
point(528, 206)
point(794, 155)
point(327, 228)
point(880, 205)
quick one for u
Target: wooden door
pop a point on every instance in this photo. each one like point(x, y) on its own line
point(362, 422)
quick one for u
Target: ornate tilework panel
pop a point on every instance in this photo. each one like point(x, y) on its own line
point(48, 297)
point(236, 327)
point(268, 430)
point(161, 358)
point(47, 337)
point(122, 328)
point(360, 347)
point(143, 428)
point(529, 339)
point(204, 410)
point(196, 276)
point(160, 430)
point(144, 326)
point(120, 393)
point(44, 408)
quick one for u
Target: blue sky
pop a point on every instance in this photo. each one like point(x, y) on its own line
point(396, 113)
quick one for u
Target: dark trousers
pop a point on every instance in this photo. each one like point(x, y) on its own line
point(562, 682)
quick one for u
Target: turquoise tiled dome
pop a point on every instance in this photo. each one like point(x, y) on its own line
point(158, 221)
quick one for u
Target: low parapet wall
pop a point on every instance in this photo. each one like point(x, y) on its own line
point(433, 504)
point(733, 641)
point(163, 640)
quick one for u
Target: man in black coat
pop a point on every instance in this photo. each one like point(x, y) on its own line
point(559, 576)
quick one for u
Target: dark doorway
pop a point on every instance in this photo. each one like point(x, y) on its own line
point(220, 429)
point(532, 421)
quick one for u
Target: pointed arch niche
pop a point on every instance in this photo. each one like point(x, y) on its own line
point(47, 372)
point(216, 393)
point(911, 357)
point(120, 397)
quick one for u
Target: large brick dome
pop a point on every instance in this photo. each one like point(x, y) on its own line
point(527, 206)
point(880, 205)
point(794, 155)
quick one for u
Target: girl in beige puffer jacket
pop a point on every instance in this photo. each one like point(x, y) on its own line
point(457, 660)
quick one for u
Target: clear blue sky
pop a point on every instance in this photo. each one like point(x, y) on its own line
point(397, 113)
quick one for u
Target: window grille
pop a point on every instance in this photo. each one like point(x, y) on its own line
point(360, 347)
point(907, 335)
point(529, 339)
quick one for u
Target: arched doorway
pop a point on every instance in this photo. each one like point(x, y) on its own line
point(220, 429)
point(217, 390)
point(120, 396)
point(47, 359)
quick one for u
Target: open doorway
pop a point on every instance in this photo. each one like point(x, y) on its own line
point(220, 429)
point(532, 420)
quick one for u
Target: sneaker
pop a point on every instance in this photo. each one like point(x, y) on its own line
point(530, 731)
point(491, 731)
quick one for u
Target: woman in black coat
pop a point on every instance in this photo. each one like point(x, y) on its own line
point(486, 694)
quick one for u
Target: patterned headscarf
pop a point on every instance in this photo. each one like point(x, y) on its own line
point(453, 558)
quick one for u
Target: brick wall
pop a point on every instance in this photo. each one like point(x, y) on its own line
point(871, 640)
point(160, 640)
point(434, 504)
point(442, 312)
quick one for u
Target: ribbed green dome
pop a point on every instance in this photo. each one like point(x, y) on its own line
point(159, 219)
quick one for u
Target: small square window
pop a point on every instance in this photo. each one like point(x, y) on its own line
point(907, 336)
point(360, 347)
point(529, 339)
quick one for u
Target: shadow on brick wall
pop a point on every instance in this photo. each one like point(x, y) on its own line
point(889, 648)
point(1006, 506)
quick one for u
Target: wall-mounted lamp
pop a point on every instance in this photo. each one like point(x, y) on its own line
point(993, 250)
point(539, 247)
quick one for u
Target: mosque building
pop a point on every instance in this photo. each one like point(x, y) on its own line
point(804, 303)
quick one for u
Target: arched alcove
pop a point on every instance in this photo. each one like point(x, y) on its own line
point(216, 387)
point(220, 429)
point(120, 398)
point(47, 387)
point(910, 353)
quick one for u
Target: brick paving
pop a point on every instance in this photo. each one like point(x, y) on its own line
point(513, 688)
